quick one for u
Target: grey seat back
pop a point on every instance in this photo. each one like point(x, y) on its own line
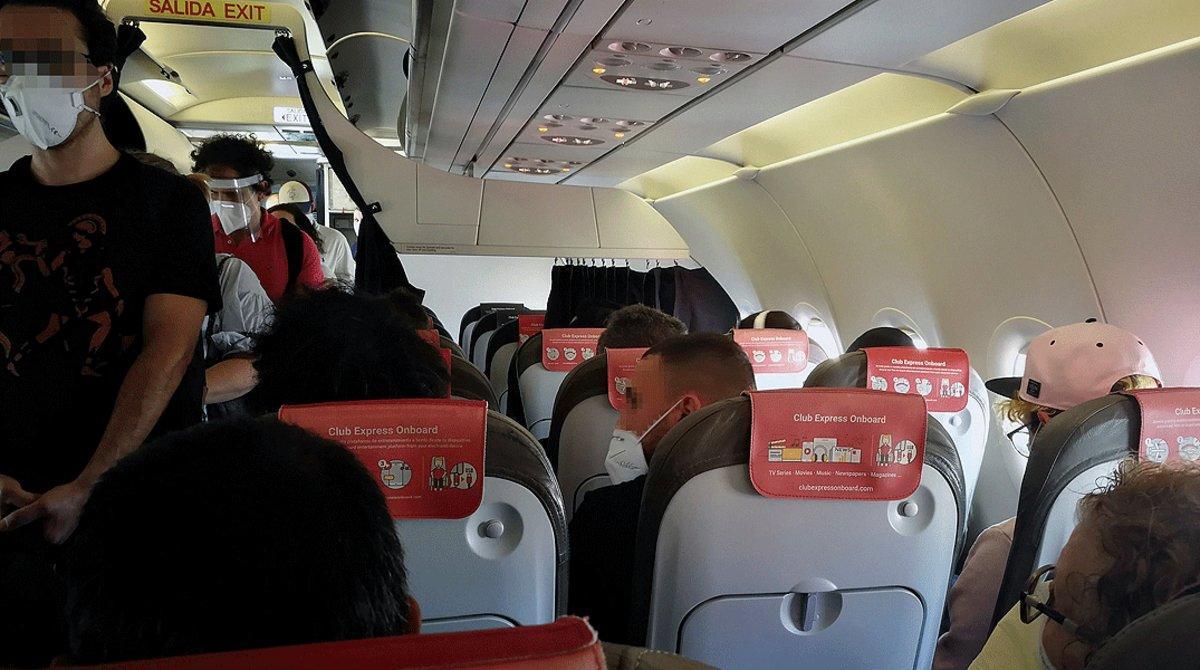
point(501, 348)
point(580, 430)
point(1164, 638)
point(505, 565)
point(1068, 457)
point(480, 336)
point(466, 381)
point(969, 428)
point(734, 579)
point(537, 387)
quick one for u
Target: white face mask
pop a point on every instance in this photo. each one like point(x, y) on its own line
point(45, 115)
point(626, 460)
point(234, 216)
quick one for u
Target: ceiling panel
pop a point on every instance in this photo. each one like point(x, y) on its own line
point(890, 33)
point(619, 166)
point(777, 87)
point(760, 26)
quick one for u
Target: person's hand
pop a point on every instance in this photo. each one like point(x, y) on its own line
point(12, 495)
point(58, 508)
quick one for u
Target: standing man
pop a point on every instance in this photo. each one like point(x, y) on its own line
point(337, 260)
point(106, 271)
point(239, 171)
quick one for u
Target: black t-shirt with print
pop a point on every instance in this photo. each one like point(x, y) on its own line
point(77, 263)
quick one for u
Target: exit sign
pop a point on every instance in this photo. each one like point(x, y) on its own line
point(292, 116)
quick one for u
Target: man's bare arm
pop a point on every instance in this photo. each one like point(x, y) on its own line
point(170, 326)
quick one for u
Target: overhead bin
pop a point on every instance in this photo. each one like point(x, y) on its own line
point(426, 210)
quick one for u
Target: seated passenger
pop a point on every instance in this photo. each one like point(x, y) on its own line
point(675, 378)
point(337, 261)
point(638, 326)
point(883, 336)
point(233, 535)
point(1133, 551)
point(281, 255)
point(333, 346)
point(1054, 381)
point(227, 336)
point(772, 318)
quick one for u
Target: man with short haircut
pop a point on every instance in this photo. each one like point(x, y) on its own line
point(239, 170)
point(233, 535)
point(106, 271)
point(638, 326)
point(672, 380)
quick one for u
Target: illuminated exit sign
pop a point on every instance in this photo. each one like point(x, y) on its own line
point(292, 116)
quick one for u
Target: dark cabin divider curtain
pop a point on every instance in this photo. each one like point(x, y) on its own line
point(584, 296)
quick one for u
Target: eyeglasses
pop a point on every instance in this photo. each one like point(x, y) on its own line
point(1032, 607)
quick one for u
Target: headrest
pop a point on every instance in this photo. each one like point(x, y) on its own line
point(476, 313)
point(1169, 430)
point(466, 381)
point(1098, 431)
point(1164, 638)
point(941, 376)
point(455, 350)
point(505, 334)
point(718, 436)
point(883, 336)
point(565, 348)
point(846, 371)
point(425, 455)
point(529, 354)
point(588, 379)
point(530, 324)
point(567, 643)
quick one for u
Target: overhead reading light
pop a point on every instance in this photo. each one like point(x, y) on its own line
point(557, 117)
point(680, 52)
point(599, 70)
point(572, 140)
point(613, 61)
point(645, 83)
point(628, 124)
point(595, 121)
point(629, 47)
point(587, 127)
point(709, 70)
point(729, 57)
point(618, 135)
point(543, 129)
point(534, 170)
point(703, 79)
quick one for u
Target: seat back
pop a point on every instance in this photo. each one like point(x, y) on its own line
point(536, 385)
point(580, 430)
point(505, 565)
point(765, 378)
point(1164, 638)
point(466, 381)
point(969, 428)
point(1067, 458)
point(569, 643)
point(500, 350)
point(450, 344)
point(731, 578)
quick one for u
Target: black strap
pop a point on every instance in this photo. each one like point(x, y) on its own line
point(293, 245)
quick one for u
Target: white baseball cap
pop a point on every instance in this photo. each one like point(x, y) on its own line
point(295, 192)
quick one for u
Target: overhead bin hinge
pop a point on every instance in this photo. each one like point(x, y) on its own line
point(749, 173)
point(985, 102)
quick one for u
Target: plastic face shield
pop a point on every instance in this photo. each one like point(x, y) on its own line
point(235, 204)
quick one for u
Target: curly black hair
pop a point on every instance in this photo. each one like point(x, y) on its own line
point(232, 535)
point(96, 30)
point(332, 345)
point(303, 222)
point(244, 153)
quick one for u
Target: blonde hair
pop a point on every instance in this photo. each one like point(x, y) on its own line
point(1019, 410)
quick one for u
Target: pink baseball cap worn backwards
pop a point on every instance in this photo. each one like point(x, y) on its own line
point(1070, 365)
